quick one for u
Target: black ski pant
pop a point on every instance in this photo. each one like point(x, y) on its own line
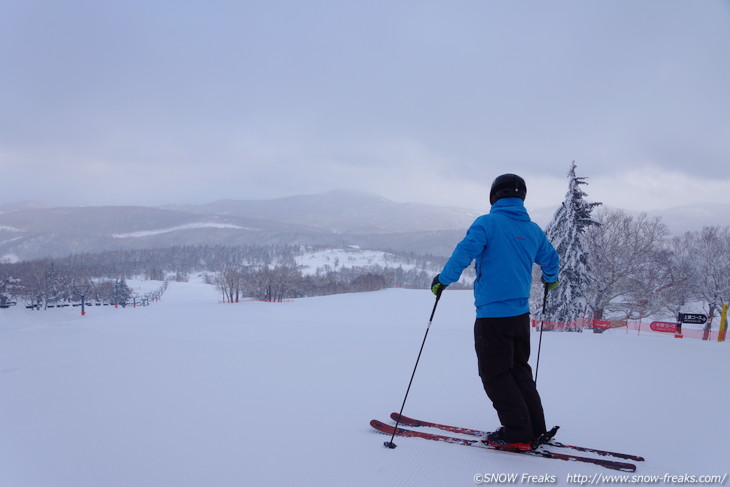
point(503, 349)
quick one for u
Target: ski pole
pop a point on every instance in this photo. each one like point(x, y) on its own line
point(542, 320)
point(390, 443)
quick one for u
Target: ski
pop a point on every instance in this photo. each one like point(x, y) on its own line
point(611, 464)
point(404, 420)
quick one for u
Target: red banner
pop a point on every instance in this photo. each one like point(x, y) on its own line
point(603, 324)
point(663, 326)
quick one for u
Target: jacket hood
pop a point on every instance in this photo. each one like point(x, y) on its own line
point(511, 207)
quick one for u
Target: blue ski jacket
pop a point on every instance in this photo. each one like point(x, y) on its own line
point(504, 243)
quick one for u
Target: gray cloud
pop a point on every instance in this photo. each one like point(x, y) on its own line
point(158, 101)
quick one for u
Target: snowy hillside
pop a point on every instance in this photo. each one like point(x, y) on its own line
point(190, 392)
point(341, 211)
point(332, 219)
point(332, 259)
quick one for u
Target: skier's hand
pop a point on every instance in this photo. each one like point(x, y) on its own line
point(436, 286)
point(551, 285)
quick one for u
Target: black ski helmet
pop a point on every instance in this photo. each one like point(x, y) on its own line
point(507, 186)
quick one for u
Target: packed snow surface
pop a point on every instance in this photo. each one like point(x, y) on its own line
point(190, 392)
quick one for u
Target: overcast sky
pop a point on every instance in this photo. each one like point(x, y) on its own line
point(160, 101)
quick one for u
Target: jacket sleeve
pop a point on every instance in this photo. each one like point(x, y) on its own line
point(465, 252)
point(548, 260)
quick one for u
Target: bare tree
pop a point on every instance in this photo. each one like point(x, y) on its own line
point(368, 282)
point(681, 277)
point(625, 259)
point(230, 282)
point(713, 268)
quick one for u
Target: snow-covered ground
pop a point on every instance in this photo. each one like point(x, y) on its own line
point(321, 261)
point(336, 259)
point(190, 392)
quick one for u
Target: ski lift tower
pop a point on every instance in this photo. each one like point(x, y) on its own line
point(82, 290)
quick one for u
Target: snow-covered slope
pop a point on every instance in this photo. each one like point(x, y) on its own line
point(189, 226)
point(335, 259)
point(329, 219)
point(190, 392)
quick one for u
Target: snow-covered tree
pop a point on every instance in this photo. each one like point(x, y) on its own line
point(712, 254)
point(626, 260)
point(681, 280)
point(54, 289)
point(230, 282)
point(122, 292)
point(9, 287)
point(568, 302)
point(699, 271)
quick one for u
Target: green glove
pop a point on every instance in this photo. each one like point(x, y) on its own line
point(436, 286)
point(551, 285)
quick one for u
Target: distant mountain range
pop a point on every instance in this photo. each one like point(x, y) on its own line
point(346, 212)
point(334, 219)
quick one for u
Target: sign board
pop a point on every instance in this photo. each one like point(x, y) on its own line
point(602, 324)
point(663, 326)
point(692, 318)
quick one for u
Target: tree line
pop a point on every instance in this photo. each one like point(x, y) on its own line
point(634, 260)
point(51, 288)
point(263, 272)
point(612, 261)
point(287, 281)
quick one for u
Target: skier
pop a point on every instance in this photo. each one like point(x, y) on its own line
point(505, 243)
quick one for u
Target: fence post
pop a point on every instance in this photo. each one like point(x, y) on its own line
point(678, 332)
point(723, 324)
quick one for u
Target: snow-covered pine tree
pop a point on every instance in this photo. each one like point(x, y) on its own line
point(54, 286)
point(122, 293)
point(9, 287)
point(567, 303)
